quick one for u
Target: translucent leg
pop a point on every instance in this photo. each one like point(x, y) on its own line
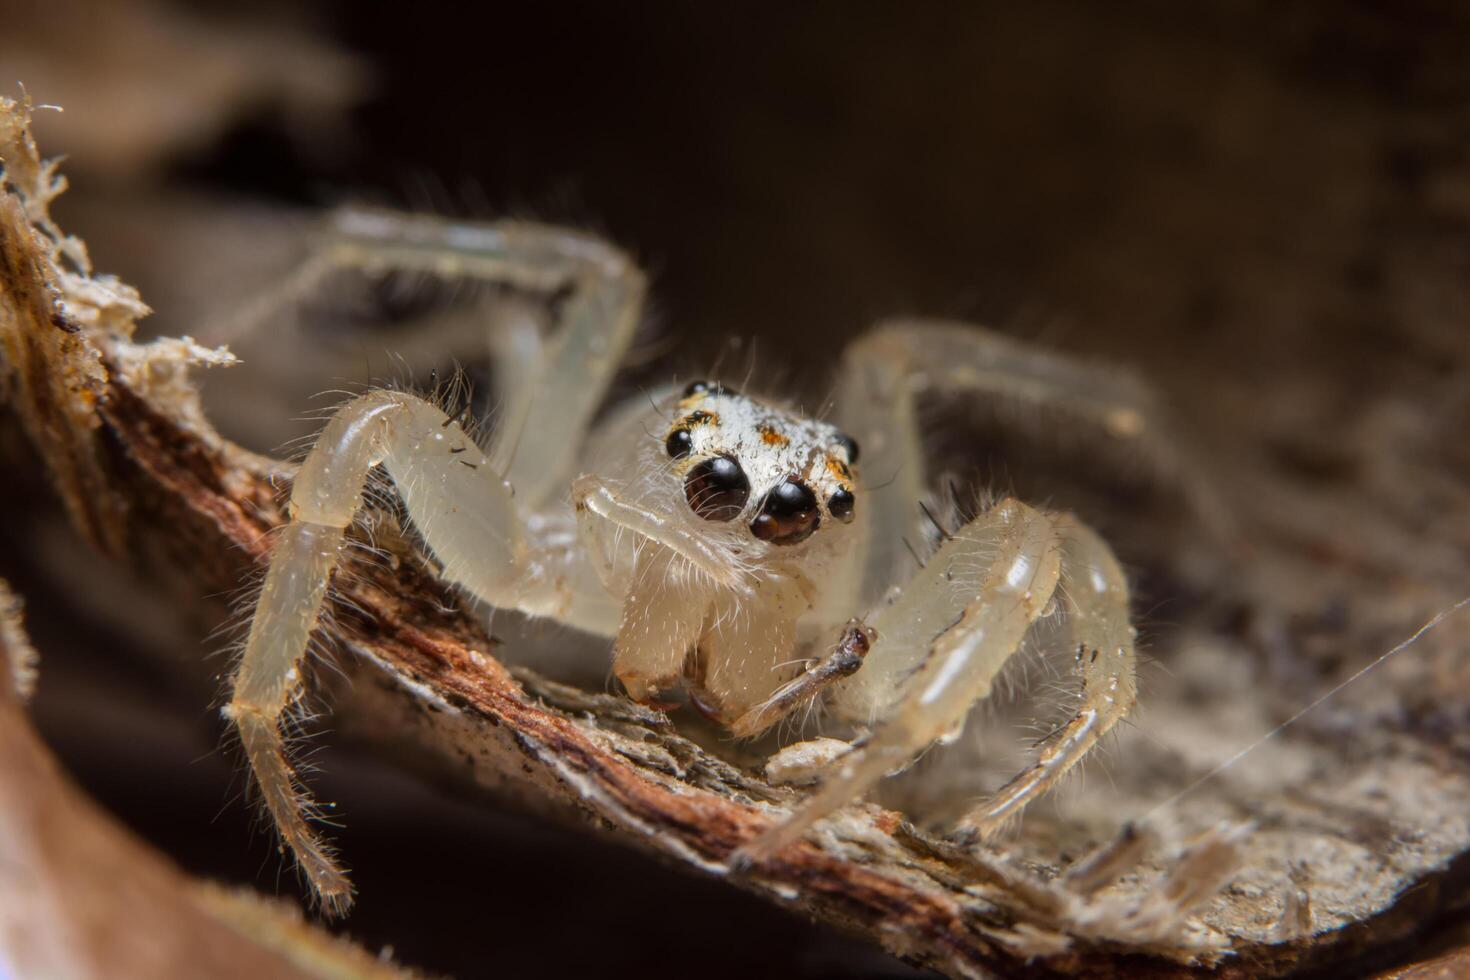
point(938, 650)
point(876, 406)
point(552, 383)
point(887, 369)
point(269, 680)
point(603, 517)
point(1096, 596)
point(465, 514)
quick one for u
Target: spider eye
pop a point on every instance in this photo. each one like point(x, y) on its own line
point(788, 515)
point(679, 444)
point(839, 505)
point(849, 445)
point(717, 489)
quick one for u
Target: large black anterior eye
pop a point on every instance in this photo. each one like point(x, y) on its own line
point(788, 515)
point(717, 489)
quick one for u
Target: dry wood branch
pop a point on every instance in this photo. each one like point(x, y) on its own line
point(143, 473)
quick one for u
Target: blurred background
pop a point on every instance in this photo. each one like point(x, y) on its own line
point(1236, 199)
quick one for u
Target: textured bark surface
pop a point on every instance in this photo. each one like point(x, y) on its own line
point(1350, 539)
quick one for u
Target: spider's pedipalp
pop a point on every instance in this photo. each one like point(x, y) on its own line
point(844, 659)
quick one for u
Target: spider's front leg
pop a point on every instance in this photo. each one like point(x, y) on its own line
point(459, 498)
point(465, 513)
point(1095, 601)
point(940, 644)
point(1022, 559)
point(939, 647)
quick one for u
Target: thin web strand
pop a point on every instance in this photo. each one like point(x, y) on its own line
point(1397, 649)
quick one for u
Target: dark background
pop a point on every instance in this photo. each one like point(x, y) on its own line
point(1194, 190)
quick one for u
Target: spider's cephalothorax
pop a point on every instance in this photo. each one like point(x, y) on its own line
point(721, 541)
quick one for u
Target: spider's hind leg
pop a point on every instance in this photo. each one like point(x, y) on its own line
point(888, 371)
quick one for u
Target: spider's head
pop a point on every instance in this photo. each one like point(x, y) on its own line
point(783, 476)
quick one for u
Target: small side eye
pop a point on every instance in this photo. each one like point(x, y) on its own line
point(839, 505)
point(849, 445)
point(717, 489)
point(679, 444)
point(707, 388)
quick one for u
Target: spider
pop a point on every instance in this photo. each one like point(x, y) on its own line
point(718, 539)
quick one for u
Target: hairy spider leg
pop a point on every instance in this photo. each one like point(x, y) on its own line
point(463, 510)
point(883, 375)
point(887, 369)
point(940, 645)
point(552, 380)
point(470, 512)
point(1095, 596)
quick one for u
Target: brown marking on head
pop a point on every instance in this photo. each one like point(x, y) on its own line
point(702, 418)
point(771, 437)
point(839, 469)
